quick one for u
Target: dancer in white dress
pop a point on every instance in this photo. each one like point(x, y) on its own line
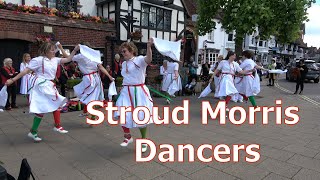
point(171, 78)
point(216, 78)
point(237, 83)
point(44, 97)
point(91, 87)
point(248, 81)
point(24, 80)
point(134, 92)
point(227, 69)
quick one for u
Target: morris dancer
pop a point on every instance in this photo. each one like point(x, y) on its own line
point(44, 97)
point(216, 77)
point(91, 87)
point(237, 83)
point(24, 80)
point(171, 74)
point(134, 92)
point(246, 88)
point(228, 68)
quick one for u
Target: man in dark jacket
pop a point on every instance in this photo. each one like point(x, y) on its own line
point(302, 76)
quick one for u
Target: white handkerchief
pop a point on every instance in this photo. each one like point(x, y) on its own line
point(112, 90)
point(168, 48)
point(93, 55)
point(3, 96)
point(277, 71)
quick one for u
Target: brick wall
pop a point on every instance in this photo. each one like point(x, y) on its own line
point(68, 31)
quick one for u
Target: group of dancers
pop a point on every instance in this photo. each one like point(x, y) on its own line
point(45, 98)
point(233, 80)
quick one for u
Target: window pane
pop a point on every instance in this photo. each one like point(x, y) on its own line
point(230, 37)
point(153, 17)
point(160, 18)
point(145, 16)
point(167, 20)
point(52, 4)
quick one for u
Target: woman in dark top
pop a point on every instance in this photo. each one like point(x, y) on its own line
point(205, 72)
point(302, 76)
point(8, 72)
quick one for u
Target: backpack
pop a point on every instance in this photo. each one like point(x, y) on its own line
point(25, 171)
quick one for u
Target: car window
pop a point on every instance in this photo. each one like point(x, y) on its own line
point(311, 65)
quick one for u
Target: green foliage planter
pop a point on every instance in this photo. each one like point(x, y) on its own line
point(72, 82)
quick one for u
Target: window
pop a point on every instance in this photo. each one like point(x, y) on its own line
point(63, 5)
point(211, 36)
point(230, 37)
point(260, 43)
point(52, 4)
point(145, 16)
point(252, 40)
point(211, 55)
point(155, 17)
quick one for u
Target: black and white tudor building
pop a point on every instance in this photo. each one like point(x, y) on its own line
point(153, 18)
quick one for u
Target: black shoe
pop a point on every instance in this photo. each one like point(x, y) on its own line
point(295, 92)
point(15, 106)
point(269, 85)
point(7, 108)
point(300, 92)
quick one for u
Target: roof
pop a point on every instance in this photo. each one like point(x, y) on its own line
point(191, 7)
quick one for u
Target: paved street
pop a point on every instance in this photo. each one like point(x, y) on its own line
point(287, 152)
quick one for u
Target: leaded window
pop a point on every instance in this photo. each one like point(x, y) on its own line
point(155, 17)
point(63, 5)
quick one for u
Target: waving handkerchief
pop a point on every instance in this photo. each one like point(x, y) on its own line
point(112, 90)
point(206, 91)
point(93, 55)
point(168, 48)
point(277, 71)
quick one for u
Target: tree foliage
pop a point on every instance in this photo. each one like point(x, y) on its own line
point(282, 18)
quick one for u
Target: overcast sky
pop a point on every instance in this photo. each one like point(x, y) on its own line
point(312, 36)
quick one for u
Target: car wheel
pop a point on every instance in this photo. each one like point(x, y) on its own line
point(316, 80)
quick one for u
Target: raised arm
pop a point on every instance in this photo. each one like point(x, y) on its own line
point(17, 77)
point(103, 70)
point(69, 58)
point(63, 51)
point(148, 58)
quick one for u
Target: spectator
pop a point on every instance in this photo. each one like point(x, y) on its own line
point(205, 72)
point(8, 72)
point(117, 66)
point(272, 76)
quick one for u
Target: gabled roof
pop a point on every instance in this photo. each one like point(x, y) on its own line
point(191, 6)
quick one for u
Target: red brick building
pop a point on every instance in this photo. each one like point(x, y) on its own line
point(19, 32)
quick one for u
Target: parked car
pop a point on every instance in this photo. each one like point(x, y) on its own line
point(313, 73)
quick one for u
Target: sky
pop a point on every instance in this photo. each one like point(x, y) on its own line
point(312, 36)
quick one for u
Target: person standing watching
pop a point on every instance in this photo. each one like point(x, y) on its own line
point(302, 76)
point(8, 72)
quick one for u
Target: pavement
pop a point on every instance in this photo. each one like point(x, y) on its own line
point(287, 152)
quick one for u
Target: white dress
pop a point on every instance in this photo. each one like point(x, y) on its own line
point(134, 93)
point(247, 82)
point(44, 96)
point(216, 80)
point(237, 84)
point(226, 85)
point(24, 79)
point(90, 88)
point(169, 76)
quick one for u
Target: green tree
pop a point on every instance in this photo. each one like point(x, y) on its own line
point(282, 18)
